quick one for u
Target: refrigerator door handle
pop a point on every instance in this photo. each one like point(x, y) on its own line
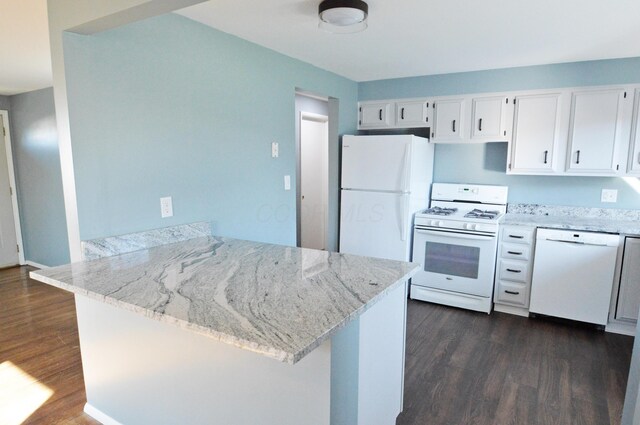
point(406, 168)
point(402, 216)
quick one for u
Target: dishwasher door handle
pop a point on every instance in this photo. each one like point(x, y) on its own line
point(577, 242)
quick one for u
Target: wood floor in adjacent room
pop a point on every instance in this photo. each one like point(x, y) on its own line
point(462, 367)
point(39, 353)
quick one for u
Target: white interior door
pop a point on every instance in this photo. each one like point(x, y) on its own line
point(8, 240)
point(314, 149)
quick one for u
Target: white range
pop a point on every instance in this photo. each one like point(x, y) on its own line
point(456, 240)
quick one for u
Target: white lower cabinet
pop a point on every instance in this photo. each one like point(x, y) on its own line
point(629, 292)
point(513, 272)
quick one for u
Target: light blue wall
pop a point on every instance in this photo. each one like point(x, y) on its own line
point(486, 163)
point(4, 103)
point(170, 107)
point(37, 162)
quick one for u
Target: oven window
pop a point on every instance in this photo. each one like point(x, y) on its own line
point(452, 260)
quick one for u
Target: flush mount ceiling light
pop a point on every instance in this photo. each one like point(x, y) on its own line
point(343, 16)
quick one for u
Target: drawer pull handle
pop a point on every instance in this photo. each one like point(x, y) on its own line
point(514, 271)
point(512, 292)
point(516, 237)
point(402, 114)
point(454, 126)
point(514, 252)
point(380, 114)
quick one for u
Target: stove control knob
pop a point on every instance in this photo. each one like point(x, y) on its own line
point(439, 223)
point(470, 226)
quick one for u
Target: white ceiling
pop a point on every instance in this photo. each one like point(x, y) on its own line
point(25, 58)
point(423, 37)
point(404, 38)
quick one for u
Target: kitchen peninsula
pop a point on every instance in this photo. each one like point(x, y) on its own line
point(217, 330)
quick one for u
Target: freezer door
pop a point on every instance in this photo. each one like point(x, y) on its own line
point(375, 224)
point(380, 163)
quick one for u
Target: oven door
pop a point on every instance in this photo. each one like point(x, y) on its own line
point(455, 260)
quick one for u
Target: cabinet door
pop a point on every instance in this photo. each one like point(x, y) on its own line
point(374, 115)
point(629, 294)
point(634, 149)
point(595, 131)
point(448, 120)
point(536, 127)
point(489, 116)
point(412, 114)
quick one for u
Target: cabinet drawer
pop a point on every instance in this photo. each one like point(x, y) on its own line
point(517, 234)
point(515, 271)
point(511, 293)
point(516, 251)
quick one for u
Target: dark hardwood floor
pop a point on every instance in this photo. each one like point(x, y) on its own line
point(468, 368)
point(39, 335)
point(462, 367)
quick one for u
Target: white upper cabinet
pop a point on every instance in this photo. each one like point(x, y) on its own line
point(536, 133)
point(596, 131)
point(413, 114)
point(375, 115)
point(633, 166)
point(489, 118)
point(448, 120)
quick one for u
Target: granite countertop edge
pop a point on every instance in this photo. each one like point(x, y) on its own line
point(593, 224)
point(268, 351)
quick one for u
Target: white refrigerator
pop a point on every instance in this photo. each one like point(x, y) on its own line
point(385, 181)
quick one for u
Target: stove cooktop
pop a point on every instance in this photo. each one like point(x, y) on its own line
point(486, 215)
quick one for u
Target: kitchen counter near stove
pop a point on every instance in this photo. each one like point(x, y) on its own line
point(219, 330)
point(606, 220)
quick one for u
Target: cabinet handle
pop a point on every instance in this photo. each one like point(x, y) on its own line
point(639, 158)
point(454, 126)
point(546, 153)
point(512, 292)
point(578, 157)
point(480, 125)
point(380, 114)
point(514, 271)
point(516, 237)
point(514, 253)
point(402, 113)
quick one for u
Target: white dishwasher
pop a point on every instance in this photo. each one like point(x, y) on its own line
point(573, 274)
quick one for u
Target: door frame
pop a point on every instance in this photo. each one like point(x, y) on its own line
point(318, 118)
point(12, 182)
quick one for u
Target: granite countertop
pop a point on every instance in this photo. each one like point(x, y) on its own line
point(606, 225)
point(607, 220)
point(275, 300)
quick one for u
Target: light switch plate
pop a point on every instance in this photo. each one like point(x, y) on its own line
point(609, 195)
point(287, 182)
point(166, 207)
point(274, 150)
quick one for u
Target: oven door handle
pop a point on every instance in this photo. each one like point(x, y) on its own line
point(456, 235)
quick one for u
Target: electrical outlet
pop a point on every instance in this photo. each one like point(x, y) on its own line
point(274, 150)
point(166, 207)
point(287, 182)
point(609, 195)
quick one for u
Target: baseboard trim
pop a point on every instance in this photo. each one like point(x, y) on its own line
point(621, 328)
point(517, 311)
point(34, 264)
point(99, 416)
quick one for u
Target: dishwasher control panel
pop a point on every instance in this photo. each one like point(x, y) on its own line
point(578, 237)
